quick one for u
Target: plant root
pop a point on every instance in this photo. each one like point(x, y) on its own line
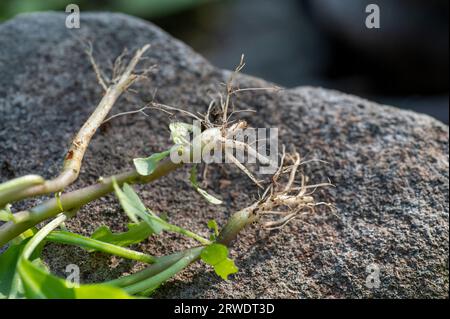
point(280, 204)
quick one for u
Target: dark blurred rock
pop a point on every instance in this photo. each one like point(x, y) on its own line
point(390, 167)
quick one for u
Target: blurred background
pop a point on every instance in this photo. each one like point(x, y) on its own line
point(307, 42)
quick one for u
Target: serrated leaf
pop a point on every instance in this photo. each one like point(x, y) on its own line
point(194, 183)
point(216, 255)
point(179, 132)
point(135, 234)
point(146, 166)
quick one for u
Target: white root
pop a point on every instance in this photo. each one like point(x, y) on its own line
point(277, 208)
point(233, 159)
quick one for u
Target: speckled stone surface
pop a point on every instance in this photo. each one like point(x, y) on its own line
point(390, 167)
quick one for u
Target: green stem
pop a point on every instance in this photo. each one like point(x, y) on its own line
point(41, 234)
point(80, 143)
point(89, 243)
point(162, 263)
point(150, 278)
point(185, 232)
point(10, 188)
point(147, 286)
point(236, 223)
point(15, 283)
point(27, 219)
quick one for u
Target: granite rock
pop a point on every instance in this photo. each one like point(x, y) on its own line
point(390, 167)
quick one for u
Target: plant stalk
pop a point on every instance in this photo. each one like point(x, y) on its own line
point(187, 233)
point(75, 199)
point(236, 223)
point(89, 243)
point(147, 286)
point(161, 263)
point(75, 154)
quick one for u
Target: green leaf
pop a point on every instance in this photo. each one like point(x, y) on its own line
point(135, 234)
point(130, 207)
point(194, 182)
point(133, 197)
point(134, 208)
point(8, 267)
point(208, 197)
point(99, 291)
point(225, 267)
point(8, 263)
point(94, 244)
point(42, 285)
point(216, 255)
point(6, 214)
point(179, 132)
point(26, 234)
point(149, 285)
point(146, 166)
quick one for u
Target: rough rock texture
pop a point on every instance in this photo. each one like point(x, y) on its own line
point(390, 167)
